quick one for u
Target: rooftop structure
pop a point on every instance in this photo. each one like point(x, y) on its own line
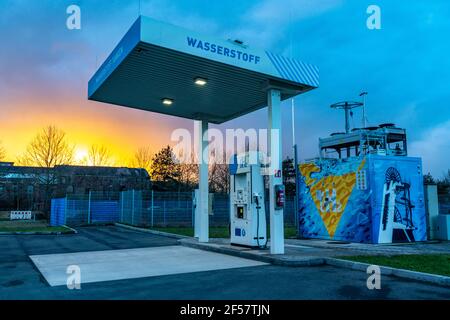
point(385, 139)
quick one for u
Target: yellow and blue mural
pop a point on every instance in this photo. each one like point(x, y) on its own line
point(370, 199)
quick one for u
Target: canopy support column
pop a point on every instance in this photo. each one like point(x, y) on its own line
point(203, 158)
point(275, 176)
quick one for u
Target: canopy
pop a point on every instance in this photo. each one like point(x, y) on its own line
point(156, 61)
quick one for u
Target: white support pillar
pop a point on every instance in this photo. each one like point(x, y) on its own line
point(275, 153)
point(203, 158)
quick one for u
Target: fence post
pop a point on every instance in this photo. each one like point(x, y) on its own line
point(89, 208)
point(132, 209)
point(192, 208)
point(164, 211)
point(65, 212)
point(121, 206)
point(152, 210)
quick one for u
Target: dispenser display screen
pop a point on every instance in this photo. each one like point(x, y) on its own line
point(240, 212)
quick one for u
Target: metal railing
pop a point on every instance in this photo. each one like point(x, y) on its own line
point(144, 208)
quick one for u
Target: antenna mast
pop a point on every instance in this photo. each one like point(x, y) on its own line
point(364, 121)
point(347, 106)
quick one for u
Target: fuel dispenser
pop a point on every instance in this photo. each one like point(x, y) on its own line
point(247, 201)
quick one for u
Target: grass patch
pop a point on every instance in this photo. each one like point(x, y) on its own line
point(30, 226)
point(290, 232)
point(216, 232)
point(429, 263)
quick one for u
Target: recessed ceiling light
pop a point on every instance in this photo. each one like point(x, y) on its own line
point(167, 101)
point(200, 81)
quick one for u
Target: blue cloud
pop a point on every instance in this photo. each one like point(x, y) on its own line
point(404, 66)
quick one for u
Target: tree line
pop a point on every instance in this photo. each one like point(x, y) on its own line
point(50, 148)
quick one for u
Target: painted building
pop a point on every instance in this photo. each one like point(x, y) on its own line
point(368, 197)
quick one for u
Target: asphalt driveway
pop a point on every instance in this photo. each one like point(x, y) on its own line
point(19, 278)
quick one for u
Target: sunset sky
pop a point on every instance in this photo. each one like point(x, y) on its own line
point(405, 67)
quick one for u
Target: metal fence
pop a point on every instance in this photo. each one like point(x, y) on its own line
point(84, 209)
point(144, 208)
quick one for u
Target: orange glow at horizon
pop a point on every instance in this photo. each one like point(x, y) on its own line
point(121, 130)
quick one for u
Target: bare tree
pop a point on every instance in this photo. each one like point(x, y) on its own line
point(100, 156)
point(189, 174)
point(49, 148)
point(219, 177)
point(2, 152)
point(142, 159)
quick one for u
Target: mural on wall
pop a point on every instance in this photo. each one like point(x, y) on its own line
point(396, 223)
point(362, 199)
point(330, 192)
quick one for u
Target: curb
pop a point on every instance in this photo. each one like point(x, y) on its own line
point(317, 261)
point(41, 233)
point(389, 271)
point(288, 261)
point(72, 229)
point(158, 233)
point(281, 261)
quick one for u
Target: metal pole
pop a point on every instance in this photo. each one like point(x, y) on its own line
point(164, 211)
point(65, 212)
point(89, 208)
point(152, 209)
point(364, 122)
point(347, 124)
point(193, 211)
point(364, 111)
point(293, 121)
point(121, 206)
point(132, 209)
point(347, 120)
point(294, 146)
point(297, 188)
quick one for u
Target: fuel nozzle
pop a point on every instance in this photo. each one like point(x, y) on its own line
point(257, 197)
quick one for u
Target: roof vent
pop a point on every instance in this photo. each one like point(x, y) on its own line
point(337, 134)
point(387, 125)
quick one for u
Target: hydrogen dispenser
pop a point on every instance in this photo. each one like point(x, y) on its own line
point(247, 201)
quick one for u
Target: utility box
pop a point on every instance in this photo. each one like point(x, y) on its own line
point(443, 227)
point(432, 209)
